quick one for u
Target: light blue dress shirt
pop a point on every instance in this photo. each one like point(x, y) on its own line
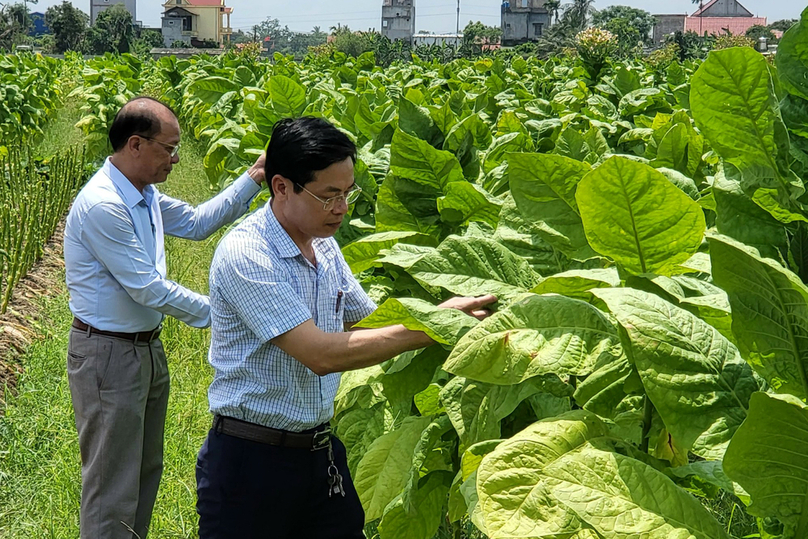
point(115, 260)
point(261, 286)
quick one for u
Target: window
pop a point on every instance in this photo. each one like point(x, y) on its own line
point(384, 23)
point(524, 3)
point(537, 28)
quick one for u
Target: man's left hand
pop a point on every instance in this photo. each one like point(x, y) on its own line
point(256, 171)
point(476, 307)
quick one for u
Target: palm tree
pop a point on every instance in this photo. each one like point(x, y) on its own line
point(576, 14)
point(553, 6)
point(701, 7)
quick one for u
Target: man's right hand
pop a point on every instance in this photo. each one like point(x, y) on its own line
point(471, 306)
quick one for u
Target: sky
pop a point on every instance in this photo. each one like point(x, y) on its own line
point(431, 15)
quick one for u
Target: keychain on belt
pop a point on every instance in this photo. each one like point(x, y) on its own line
point(334, 477)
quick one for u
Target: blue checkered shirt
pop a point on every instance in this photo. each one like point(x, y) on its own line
point(261, 286)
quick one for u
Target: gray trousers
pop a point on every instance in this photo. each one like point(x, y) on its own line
point(120, 396)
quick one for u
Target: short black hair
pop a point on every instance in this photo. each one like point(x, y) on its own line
point(299, 147)
point(131, 121)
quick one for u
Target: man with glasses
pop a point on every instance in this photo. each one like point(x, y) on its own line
point(119, 294)
point(282, 302)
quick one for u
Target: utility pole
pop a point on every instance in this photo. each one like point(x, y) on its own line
point(457, 26)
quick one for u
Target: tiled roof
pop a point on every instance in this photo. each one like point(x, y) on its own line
point(716, 25)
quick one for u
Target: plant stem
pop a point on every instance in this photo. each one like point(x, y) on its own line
point(647, 413)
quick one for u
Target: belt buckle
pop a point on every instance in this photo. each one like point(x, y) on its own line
point(321, 439)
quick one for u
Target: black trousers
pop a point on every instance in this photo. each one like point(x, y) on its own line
point(251, 490)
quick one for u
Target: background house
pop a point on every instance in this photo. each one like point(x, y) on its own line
point(196, 21)
point(97, 6)
point(716, 17)
point(38, 26)
point(398, 19)
point(523, 20)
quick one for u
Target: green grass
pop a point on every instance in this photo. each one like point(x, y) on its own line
point(62, 133)
point(39, 454)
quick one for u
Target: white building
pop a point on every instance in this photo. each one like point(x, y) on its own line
point(455, 40)
point(97, 6)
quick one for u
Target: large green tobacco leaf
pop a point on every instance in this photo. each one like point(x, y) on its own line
point(416, 121)
point(407, 205)
point(739, 217)
point(792, 58)
point(358, 428)
point(633, 499)
point(211, 89)
point(445, 326)
point(767, 457)
point(465, 202)
point(561, 477)
point(288, 97)
point(735, 107)
point(402, 381)
point(386, 467)
point(476, 409)
point(633, 214)
point(416, 160)
point(769, 314)
point(543, 187)
point(578, 283)
point(423, 517)
point(513, 499)
point(364, 252)
point(473, 266)
point(693, 375)
point(611, 383)
point(534, 336)
point(522, 237)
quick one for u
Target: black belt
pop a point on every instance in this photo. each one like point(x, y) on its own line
point(143, 336)
point(266, 435)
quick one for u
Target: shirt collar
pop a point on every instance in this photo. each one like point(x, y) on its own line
point(286, 246)
point(129, 193)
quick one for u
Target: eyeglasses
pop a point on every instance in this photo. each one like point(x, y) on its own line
point(328, 204)
point(172, 150)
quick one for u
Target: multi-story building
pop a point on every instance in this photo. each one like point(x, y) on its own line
point(97, 6)
point(523, 20)
point(196, 21)
point(398, 19)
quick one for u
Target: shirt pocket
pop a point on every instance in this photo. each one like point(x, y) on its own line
point(333, 307)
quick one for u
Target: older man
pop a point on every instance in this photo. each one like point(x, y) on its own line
point(119, 294)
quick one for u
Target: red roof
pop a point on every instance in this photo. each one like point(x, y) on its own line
point(716, 25)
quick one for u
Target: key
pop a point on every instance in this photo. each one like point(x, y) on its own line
point(335, 482)
point(332, 485)
point(337, 488)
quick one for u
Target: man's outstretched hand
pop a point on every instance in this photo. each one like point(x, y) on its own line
point(475, 307)
point(256, 171)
